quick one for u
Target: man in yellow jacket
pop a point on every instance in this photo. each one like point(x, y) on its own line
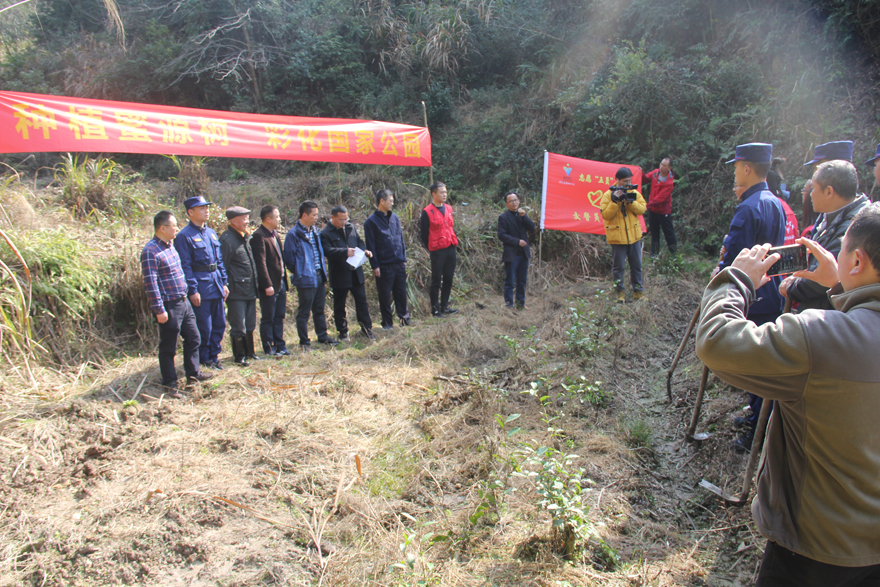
point(621, 208)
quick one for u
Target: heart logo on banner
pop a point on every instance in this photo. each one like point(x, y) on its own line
point(597, 195)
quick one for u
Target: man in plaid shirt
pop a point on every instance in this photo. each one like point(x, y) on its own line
point(166, 287)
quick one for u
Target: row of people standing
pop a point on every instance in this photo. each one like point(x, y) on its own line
point(189, 279)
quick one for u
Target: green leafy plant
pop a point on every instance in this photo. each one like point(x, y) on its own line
point(560, 489)
point(582, 391)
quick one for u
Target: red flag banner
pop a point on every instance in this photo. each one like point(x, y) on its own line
point(573, 189)
point(31, 123)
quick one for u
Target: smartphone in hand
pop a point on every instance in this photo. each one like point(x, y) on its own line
point(792, 258)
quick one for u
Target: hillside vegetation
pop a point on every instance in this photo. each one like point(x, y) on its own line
point(628, 81)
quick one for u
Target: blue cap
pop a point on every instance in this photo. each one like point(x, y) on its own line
point(832, 151)
point(876, 155)
point(195, 201)
point(753, 153)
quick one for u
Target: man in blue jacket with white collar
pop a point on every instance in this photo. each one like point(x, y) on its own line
point(304, 258)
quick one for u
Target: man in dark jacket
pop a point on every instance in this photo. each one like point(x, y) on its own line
point(436, 228)
point(271, 281)
point(513, 231)
point(340, 242)
point(384, 236)
point(241, 271)
point(304, 258)
point(835, 196)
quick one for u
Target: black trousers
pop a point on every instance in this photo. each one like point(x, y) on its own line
point(272, 311)
point(392, 283)
point(362, 310)
point(181, 322)
point(442, 270)
point(664, 222)
point(781, 567)
point(241, 316)
point(311, 301)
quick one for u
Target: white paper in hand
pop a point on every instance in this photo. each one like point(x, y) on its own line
point(357, 259)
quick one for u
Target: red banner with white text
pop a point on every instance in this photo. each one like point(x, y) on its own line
point(573, 189)
point(31, 123)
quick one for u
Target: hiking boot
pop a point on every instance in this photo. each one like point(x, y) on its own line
point(639, 295)
point(621, 296)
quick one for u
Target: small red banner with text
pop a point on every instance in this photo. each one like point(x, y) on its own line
point(32, 123)
point(573, 189)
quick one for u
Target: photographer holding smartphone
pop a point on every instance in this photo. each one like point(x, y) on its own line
point(817, 500)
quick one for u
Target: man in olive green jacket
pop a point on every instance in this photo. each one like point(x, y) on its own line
point(818, 490)
point(621, 210)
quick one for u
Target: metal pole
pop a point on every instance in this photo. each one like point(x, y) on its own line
point(430, 169)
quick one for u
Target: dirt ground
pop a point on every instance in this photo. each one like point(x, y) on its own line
point(366, 464)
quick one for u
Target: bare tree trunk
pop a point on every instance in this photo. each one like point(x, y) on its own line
point(249, 62)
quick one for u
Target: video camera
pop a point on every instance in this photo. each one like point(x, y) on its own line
point(621, 193)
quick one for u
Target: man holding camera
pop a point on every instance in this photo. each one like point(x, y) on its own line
point(817, 500)
point(834, 195)
point(621, 207)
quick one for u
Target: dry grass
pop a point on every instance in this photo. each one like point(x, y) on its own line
point(341, 467)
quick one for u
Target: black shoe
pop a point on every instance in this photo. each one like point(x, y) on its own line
point(740, 421)
point(345, 338)
point(388, 327)
point(305, 347)
point(270, 353)
point(407, 322)
point(199, 377)
point(329, 342)
point(449, 310)
point(435, 314)
point(743, 444)
point(369, 334)
point(215, 365)
point(283, 352)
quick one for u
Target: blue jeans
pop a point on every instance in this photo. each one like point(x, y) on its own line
point(620, 254)
point(516, 274)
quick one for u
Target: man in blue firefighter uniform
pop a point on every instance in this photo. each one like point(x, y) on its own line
point(758, 219)
point(199, 250)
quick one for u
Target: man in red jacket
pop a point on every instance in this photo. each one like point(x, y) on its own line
point(660, 206)
point(438, 236)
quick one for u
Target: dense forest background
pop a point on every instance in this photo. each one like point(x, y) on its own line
point(628, 81)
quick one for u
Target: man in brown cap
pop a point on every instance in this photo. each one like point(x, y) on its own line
point(241, 304)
